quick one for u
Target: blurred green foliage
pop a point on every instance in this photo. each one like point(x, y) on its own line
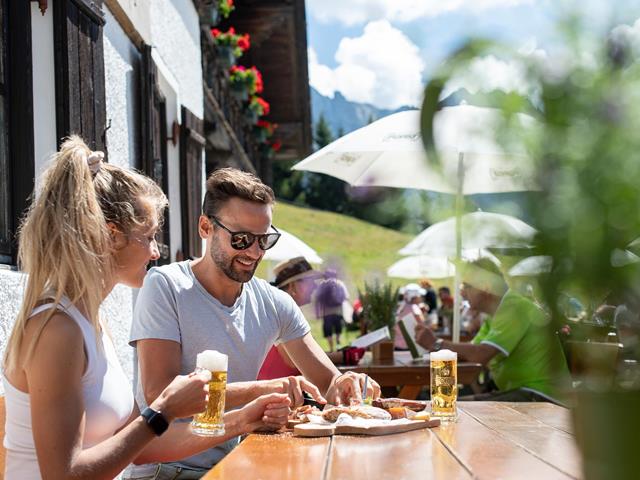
point(379, 303)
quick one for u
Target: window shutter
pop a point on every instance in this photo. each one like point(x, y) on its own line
point(79, 57)
point(192, 142)
point(154, 141)
point(16, 122)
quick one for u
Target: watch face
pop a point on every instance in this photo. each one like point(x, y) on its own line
point(155, 420)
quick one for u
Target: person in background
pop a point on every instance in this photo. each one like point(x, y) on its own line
point(298, 278)
point(445, 312)
point(524, 357)
point(430, 300)
point(328, 301)
point(70, 409)
point(411, 304)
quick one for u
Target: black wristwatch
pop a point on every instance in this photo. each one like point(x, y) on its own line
point(437, 345)
point(155, 420)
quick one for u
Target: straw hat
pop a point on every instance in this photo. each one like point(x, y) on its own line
point(293, 270)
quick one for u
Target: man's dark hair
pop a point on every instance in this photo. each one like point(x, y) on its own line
point(227, 183)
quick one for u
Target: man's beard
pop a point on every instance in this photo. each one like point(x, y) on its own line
point(226, 264)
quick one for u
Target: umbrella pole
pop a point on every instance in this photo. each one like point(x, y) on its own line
point(457, 301)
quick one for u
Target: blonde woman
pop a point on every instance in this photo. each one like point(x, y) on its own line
point(70, 409)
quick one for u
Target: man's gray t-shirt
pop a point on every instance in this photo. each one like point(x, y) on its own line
point(173, 305)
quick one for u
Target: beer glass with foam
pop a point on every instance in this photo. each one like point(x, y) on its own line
point(211, 421)
point(444, 384)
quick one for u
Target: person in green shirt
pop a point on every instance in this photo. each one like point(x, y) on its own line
point(523, 355)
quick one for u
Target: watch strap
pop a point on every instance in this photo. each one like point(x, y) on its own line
point(155, 420)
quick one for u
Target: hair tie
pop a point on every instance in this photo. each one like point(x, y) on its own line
point(94, 160)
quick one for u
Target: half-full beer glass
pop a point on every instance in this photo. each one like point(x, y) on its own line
point(211, 421)
point(444, 384)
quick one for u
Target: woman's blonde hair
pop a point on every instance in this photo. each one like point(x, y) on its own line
point(65, 246)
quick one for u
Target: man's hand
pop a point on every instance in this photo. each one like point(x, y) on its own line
point(294, 386)
point(347, 388)
point(266, 413)
point(425, 336)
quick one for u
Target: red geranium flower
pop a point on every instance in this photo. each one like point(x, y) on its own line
point(215, 32)
point(259, 83)
point(244, 43)
point(276, 145)
point(266, 108)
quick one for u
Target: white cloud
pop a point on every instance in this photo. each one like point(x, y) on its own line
point(489, 73)
point(485, 74)
point(353, 12)
point(627, 33)
point(382, 67)
point(321, 77)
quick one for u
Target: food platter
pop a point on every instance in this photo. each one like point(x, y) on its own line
point(394, 426)
point(383, 418)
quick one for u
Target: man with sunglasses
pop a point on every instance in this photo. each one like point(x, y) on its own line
point(215, 303)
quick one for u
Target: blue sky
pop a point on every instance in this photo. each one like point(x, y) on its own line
point(382, 51)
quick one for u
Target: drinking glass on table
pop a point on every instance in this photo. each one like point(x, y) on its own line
point(444, 384)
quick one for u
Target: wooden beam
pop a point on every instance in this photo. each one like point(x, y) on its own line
point(125, 23)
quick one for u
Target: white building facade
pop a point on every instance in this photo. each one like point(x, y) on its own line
point(127, 76)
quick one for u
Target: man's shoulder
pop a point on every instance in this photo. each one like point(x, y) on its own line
point(514, 304)
point(173, 273)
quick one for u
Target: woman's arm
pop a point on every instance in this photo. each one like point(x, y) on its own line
point(270, 411)
point(54, 376)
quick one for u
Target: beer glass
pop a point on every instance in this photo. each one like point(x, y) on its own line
point(211, 421)
point(444, 384)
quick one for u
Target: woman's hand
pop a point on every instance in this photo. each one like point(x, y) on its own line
point(185, 396)
point(268, 412)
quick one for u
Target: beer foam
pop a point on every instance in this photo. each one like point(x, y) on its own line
point(443, 355)
point(212, 360)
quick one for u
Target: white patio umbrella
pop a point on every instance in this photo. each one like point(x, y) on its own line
point(478, 230)
point(532, 266)
point(389, 152)
point(431, 267)
point(290, 246)
point(421, 266)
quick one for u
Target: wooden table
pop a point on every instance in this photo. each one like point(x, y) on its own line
point(490, 440)
point(410, 376)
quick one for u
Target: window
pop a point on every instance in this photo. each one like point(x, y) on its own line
point(191, 144)
point(79, 60)
point(16, 122)
point(154, 141)
point(5, 181)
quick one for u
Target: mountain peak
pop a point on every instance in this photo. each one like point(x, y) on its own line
point(343, 115)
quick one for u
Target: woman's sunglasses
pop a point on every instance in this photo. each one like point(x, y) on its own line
point(243, 240)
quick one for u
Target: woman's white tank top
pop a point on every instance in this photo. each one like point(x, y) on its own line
point(108, 401)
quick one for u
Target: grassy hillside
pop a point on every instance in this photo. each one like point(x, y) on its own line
point(361, 250)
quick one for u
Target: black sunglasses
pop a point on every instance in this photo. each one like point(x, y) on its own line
point(243, 240)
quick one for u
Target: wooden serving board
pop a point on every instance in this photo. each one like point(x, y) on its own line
point(315, 430)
